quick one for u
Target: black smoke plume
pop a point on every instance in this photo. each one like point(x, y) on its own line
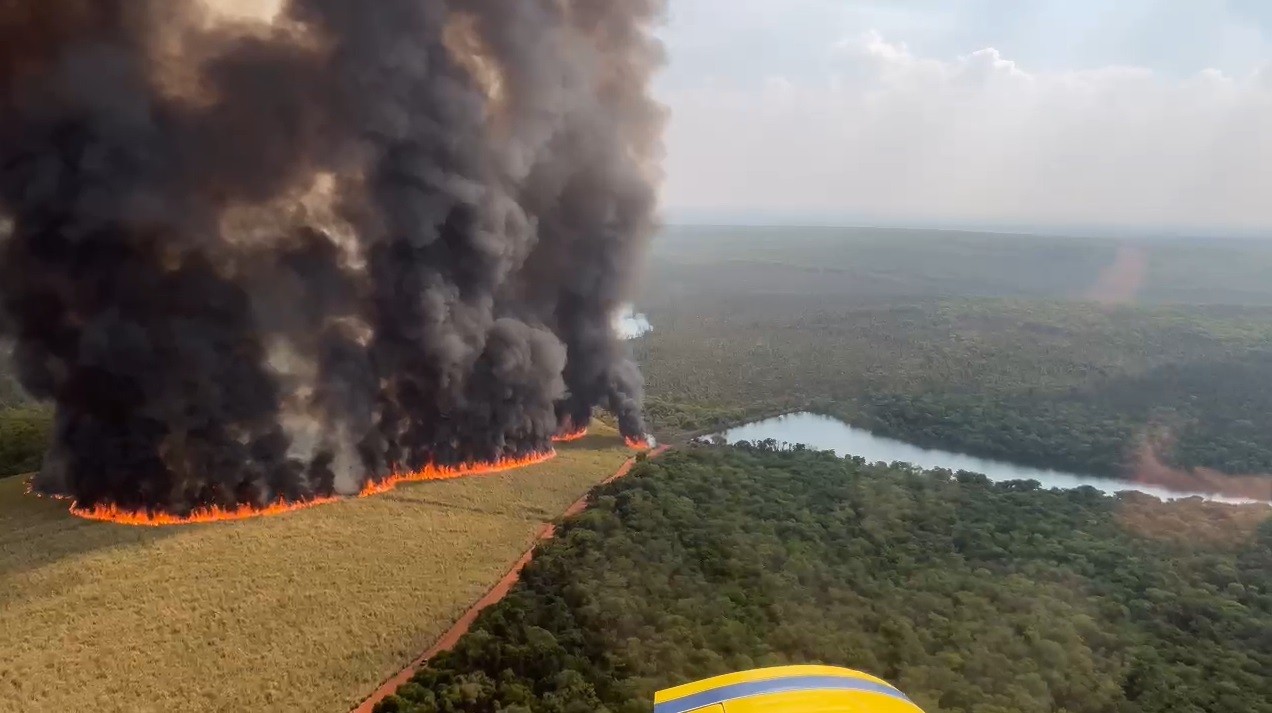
point(272, 255)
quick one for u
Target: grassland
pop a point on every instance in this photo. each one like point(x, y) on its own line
point(302, 612)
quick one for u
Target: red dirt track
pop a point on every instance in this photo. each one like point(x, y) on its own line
point(496, 593)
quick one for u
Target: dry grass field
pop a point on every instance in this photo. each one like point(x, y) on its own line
point(306, 611)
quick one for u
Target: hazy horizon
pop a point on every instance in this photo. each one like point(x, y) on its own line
point(1053, 116)
point(681, 219)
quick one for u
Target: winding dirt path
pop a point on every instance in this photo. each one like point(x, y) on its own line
point(496, 593)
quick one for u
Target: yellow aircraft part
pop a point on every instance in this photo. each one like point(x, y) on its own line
point(786, 689)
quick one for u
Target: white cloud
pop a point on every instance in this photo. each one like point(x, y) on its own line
point(886, 133)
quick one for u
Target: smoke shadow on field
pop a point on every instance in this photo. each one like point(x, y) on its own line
point(37, 532)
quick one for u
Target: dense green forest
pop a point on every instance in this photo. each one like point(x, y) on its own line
point(979, 343)
point(969, 596)
point(873, 264)
point(1215, 415)
point(1061, 385)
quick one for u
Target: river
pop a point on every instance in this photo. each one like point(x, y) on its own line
point(831, 434)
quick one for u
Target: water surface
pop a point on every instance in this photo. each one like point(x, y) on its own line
point(831, 434)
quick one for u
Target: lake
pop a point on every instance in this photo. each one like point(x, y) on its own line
point(830, 434)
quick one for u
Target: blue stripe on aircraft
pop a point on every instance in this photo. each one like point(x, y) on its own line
point(775, 685)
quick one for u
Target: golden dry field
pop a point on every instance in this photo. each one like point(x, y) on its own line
point(306, 611)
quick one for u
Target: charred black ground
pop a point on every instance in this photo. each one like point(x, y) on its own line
point(252, 259)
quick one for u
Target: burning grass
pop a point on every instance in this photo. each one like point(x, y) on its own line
point(118, 516)
point(444, 473)
point(115, 515)
point(571, 436)
point(309, 611)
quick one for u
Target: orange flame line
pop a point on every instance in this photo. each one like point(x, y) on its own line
point(121, 516)
point(639, 444)
point(571, 436)
point(436, 472)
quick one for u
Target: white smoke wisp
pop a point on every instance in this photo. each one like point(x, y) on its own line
point(630, 324)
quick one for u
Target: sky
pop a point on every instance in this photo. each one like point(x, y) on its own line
point(1120, 114)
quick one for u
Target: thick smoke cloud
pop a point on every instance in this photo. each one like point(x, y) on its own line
point(251, 261)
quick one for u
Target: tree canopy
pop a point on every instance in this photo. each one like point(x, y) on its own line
point(968, 595)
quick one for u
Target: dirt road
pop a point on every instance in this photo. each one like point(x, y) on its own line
point(459, 628)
